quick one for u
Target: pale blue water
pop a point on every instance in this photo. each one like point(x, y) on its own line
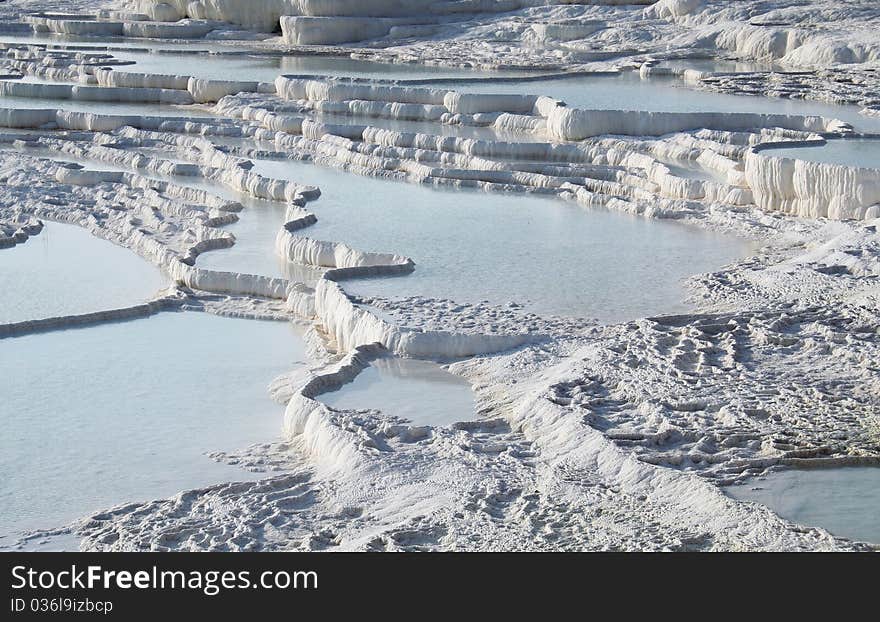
point(844, 501)
point(850, 152)
point(435, 129)
point(117, 108)
point(628, 91)
point(418, 391)
point(267, 68)
point(225, 61)
point(719, 66)
point(29, 79)
point(690, 171)
point(255, 230)
point(554, 256)
point(87, 43)
point(253, 253)
point(65, 270)
point(124, 412)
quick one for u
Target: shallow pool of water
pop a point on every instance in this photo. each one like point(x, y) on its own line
point(850, 152)
point(254, 250)
point(31, 79)
point(255, 231)
point(844, 501)
point(628, 91)
point(269, 49)
point(690, 170)
point(434, 129)
point(103, 42)
point(419, 391)
point(239, 61)
point(65, 270)
point(718, 66)
point(553, 256)
point(113, 108)
point(266, 68)
point(124, 412)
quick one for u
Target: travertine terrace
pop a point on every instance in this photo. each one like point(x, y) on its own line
point(588, 436)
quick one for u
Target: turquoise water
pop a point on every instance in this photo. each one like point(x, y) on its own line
point(418, 391)
point(65, 270)
point(844, 501)
point(125, 412)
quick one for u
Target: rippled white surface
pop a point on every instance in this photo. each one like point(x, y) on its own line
point(418, 391)
point(554, 256)
point(65, 270)
point(123, 412)
point(845, 501)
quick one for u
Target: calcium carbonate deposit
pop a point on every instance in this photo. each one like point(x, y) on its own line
point(505, 274)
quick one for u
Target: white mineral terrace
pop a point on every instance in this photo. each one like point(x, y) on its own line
point(384, 275)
